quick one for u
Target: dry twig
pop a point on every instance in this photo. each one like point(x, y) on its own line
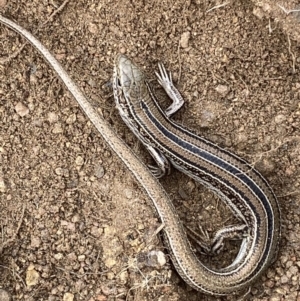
point(217, 6)
point(292, 55)
point(288, 11)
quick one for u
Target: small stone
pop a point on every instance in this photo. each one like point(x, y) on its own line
point(207, 116)
point(275, 298)
point(35, 243)
point(269, 283)
point(81, 258)
point(93, 28)
point(222, 89)
point(99, 171)
point(79, 161)
point(36, 150)
point(71, 119)
point(64, 223)
point(59, 171)
point(68, 297)
point(71, 227)
point(155, 259)
point(284, 259)
point(72, 256)
point(21, 109)
point(184, 39)
point(294, 270)
point(109, 230)
point(60, 56)
point(52, 117)
point(141, 227)
point(76, 218)
point(284, 279)
point(57, 129)
point(257, 11)
point(79, 285)
point(54, 209)
point(110, 275)
point(266, 7)
point(2, 186)
point(122, 50)
point(116, 30)
point(128, 193)
point(96, 232)
point(279, 118)
point(92, 83)
point(32, 276)
point(58, 256)
point(110, 262)
point(152, 44)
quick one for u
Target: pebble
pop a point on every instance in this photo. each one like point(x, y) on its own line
point(96, 232)
point(32, 276)
point(110, 262)
point(284, 279)
point(81, 258)
point(275, 298)
point(184, 40)
point(257, 11)
point(52, 117)
point(99, 171)
point(222, 89)
point(57, 129)
point(110, 275)
point(93, 28)
point(68, 297)
point(122, 50)
point(21, 109)
point(152, 44)
point(58, 256)
point(71, 119)
point(2, 184)
point(128, 193)
point(79, 161)
point(154, 258)
point(279, 118)
point(72, 256)
point(35, 242)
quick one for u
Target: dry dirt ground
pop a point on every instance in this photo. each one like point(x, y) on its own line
point(74, 224)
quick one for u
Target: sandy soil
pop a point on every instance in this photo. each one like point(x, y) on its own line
point(74, 223)
point(285, 13)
